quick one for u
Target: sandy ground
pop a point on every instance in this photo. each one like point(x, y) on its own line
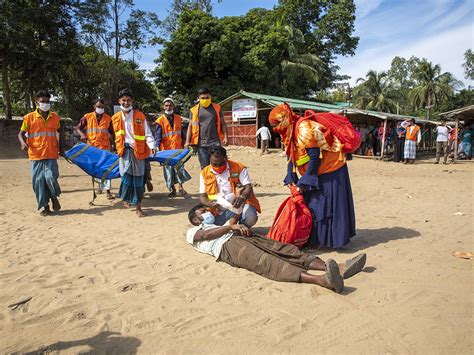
point(102, 280)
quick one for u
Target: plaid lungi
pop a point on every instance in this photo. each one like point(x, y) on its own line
point(410, 149)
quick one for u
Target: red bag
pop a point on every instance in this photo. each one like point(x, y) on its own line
point(293, 221)
point(338, 126)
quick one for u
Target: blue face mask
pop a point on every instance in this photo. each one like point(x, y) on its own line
point(208, 218)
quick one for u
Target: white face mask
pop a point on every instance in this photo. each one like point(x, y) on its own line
point(99, 111)
point(126, 109)
point(170, 112)
point(44, 106)
point(208, 218)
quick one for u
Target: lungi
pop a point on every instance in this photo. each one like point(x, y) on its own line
point(45, 174)
point(410, 149)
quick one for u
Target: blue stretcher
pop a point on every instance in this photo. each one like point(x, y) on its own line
point(102, 164)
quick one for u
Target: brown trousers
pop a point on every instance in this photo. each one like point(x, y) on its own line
point(265, 145)
point(266, 257)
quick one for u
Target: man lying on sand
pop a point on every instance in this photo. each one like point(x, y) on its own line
point(238, 246)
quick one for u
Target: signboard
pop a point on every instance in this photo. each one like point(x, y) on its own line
point(244, 108)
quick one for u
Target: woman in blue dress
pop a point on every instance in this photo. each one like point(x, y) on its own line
point(320, 172)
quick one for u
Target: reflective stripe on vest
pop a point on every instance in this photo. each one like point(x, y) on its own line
point(138, 138)
point(195, 123)
point(97, 130)
point(41, 134)
point(121, 132)
point(212, 197)
point(172, 133)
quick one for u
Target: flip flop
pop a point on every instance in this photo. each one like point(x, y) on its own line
point(333, 276)
point(354, 265)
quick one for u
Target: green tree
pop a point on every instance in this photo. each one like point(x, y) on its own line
point(39, 39)
point(468, 64)
point(431, 86)
point(264, 51)
point(170, 24)
point(116, 28)
point(375, 92)
point(299, 66)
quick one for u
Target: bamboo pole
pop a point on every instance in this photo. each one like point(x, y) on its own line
point(382, 148)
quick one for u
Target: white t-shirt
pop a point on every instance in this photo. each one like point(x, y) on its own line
point(212, 247)
point(442, 134)
point(224, 188)
point(264, 133)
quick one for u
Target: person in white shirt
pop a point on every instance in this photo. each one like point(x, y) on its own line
point(238, 246)
point(265, 135)
point(442, 140)
point(134, 141)
point(228, 181)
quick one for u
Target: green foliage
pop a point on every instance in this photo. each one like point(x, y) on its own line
point(286, 51)
point(468, 64)
point(376, 92)
point(70, 49)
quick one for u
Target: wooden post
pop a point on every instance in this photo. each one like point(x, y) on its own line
point(256, 123)
point(382, 148)
point(456, 140)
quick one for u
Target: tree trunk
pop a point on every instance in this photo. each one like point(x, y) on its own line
point(117, 37)
point(7, 100)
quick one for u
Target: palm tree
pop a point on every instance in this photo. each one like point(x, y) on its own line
point(432, 86)
point(375, 92)
point(298, 64)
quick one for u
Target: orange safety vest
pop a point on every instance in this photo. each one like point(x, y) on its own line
point(98, 132)
point(330, 161)
point(42, 135)
point(412, 132)
point(210, 182)
point(140, 148)
point(170, 136)
point(195, 123)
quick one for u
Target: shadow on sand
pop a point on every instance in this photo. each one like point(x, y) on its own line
point(102, 343)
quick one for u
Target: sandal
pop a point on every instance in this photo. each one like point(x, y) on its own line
point(354, 265)
point(333, 276)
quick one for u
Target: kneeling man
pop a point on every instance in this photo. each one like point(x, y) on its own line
point(236, 245)
point(225, 186)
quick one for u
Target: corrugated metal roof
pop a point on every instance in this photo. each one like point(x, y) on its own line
point(277, 100)
point(319, 106)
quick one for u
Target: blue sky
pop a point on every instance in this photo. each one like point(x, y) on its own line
point(439, 30)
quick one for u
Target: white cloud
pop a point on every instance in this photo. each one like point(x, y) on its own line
point(446, 48)
point(364, 7)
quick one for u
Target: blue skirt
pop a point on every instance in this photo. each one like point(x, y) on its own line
point(332, 208)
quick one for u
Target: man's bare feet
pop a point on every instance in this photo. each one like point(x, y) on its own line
point(56, 204)
point(182, 192)
point(45, 212)
point(110, 196)
point(140, 213)
point(126, 204)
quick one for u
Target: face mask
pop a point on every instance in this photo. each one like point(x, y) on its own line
point(99, 111)
point(205, 102)
point(220, 169)
point(44, 106)
point(208, 218)
point(126, 109)
point(170, 112)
